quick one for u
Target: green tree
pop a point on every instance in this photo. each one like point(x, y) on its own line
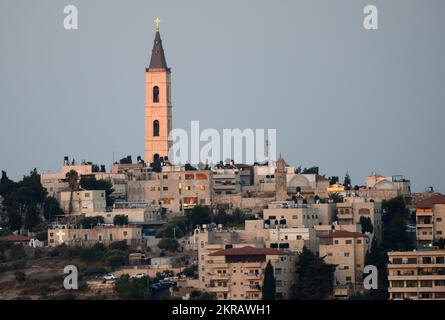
point(269, 287)
point(311, 170)
point(395, 217)
point(169, 230)
point(315, 278)
point(120, 220)
point(132, 289)
point(378, 257)
point(31, 217)
point(119, 245)
point(440, 243)
point(91, 222)
point(51, 208)
point(199, 215)
point(336, 197)
point(15, 219)
point(7, 186)
point(168, 244)
point(72, 177)
point(366, 224)
point(115, 258)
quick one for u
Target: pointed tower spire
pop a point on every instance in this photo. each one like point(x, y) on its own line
point(157, 54)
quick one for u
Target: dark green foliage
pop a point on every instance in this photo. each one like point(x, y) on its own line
point(91, 222)
point(120, 220)
point(199, 215)
point(132, 289)
point(440, 243)
point(395, 217)
point(168, 244)
point(115, 258)
point(366, 224)
point(42, 236)
point(31, 217)
point(17, 252)
point(5, 245)
point(169, 230)
point(119, 245)
point(269, 287)
point(315, 278)
point(95, 253)
point(51, 208)
point(191, 271)
point(378, 257)
point(198, 295)
point(15, 219)
point(336, 197)
point(311, 170)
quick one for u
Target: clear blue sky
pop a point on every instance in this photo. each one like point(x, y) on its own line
point(340, 97)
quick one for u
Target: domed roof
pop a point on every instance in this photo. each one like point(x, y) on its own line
point(299, 181)
point(385, 185)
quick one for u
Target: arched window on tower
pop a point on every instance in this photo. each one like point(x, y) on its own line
point(155, 94)
point(156, 128)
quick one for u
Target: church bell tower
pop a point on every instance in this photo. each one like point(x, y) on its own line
point(158, 108)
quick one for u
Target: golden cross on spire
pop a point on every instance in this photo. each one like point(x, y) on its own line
point(157, 21)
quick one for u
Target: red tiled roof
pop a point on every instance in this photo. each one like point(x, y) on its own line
point(247, 251)
point(16, 238)
point(343, 234)
point(428, 203)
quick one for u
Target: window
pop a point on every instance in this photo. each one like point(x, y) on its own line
point(165, 176)
point(439, 219)
point(426, 283)
point(412, 260)
point(346, 254)
point(439, 283)
point(165, 188)
point(426, 260)
point(411, 283)
point(348, 278)
point(359, 241)
point(156, 128)
point(111, 237)
point(87, 195)
point(187, 187)
point(348, 241)
point(398, 284)
point(125, 233)
point(336, 242)
point(155, 94)
point(440, 260)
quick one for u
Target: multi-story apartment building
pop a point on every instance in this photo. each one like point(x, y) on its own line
point(347, 250)
point(291, 215)
point(430, 218)
point(226, 179)
point(417, 275)
point(83, 201)
point(175, 189)
point(238, 273)
point(65, 234)
point(353, 208)
point(138, 213)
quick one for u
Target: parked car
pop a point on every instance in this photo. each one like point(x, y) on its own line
point(158, 286)
point(109, 277)
point(138, 276)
